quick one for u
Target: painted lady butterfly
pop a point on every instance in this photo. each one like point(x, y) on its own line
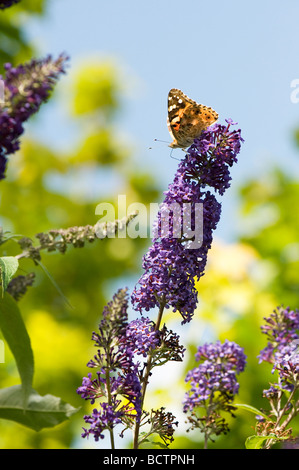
point(186, 118)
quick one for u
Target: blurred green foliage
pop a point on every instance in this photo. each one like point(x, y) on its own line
point(97, 91)
point(14, 45)
point(271, 206)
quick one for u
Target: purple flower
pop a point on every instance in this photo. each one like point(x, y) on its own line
point(104, 418)
point(215, 375)
point(26, 87)
point(212, 154)
point(92, 388)
point(141, 336)
point(7, 3)
point(131, 390)
point(229, 353)
point(286, 361)
point(282, 350)
point(118, 376)
point(281, 329)
point(187, 218)
point(272, 392)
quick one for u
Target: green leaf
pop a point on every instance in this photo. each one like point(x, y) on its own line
point(160, 444)
point(41, 412)
point(253, 410)
point(17, 338)
point(8, 267)
point(255, 442)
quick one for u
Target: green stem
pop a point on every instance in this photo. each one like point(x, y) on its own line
point(146, 376)
point(281, 427)
point(207, 433)
point(110, 403)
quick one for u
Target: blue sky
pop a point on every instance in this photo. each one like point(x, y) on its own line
point(238, 57)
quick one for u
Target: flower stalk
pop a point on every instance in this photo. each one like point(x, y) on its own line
point(145, 377)
point(282, 352)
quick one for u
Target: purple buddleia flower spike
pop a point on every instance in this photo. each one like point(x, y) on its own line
point(121, 345)
point(26, 87)
point(213, 387)
point(282, 351)
point(187, 218)
point(216, 373)
point(281, 329)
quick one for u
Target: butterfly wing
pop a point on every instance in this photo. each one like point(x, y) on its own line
point(177, 102)
point(186, 118)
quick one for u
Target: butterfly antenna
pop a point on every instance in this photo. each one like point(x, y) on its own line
point(158, 140)
point(165, 141)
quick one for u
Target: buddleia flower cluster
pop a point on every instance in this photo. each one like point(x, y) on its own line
point(117, 385)
point(190, 212)
point(282, 351)
point(213, 386)
point(26, 87)
point(59, 239)
point(281, 329)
